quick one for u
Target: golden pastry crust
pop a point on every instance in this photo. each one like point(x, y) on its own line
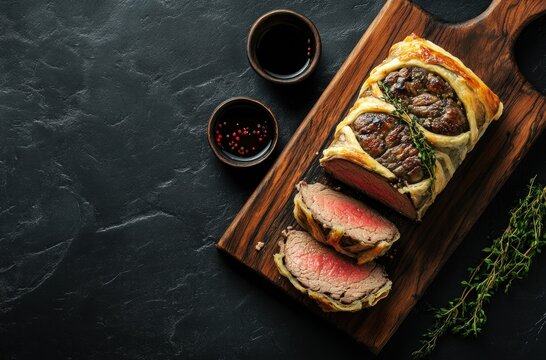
point(481, 106)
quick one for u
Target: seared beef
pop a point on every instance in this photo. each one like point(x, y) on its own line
point(430, 98)
point(387, 139)
point(333, 280)
point(347, 224)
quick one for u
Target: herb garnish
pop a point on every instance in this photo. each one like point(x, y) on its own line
point(426, 152)
point(509, 258)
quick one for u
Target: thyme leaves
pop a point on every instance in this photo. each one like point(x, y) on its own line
point(425, 150)
point(508, 258)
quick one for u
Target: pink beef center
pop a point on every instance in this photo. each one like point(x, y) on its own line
point(330, 265)
point(370, 184)
point(347, 212)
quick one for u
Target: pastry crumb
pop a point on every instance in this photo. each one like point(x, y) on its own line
point(289, 228)
point(259, 245)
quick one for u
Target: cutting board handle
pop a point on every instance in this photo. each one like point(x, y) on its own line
point(507, 16)
point(485, 45)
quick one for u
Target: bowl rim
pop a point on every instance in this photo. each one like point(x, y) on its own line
point(251, 50)
point(214, 116)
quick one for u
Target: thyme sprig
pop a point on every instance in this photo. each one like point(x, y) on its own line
point(426, 152)
point(509, 258)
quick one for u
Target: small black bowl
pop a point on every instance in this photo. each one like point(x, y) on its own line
point(240, 122)
point(285, 23)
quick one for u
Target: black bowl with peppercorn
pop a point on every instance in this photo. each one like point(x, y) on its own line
point(242, 132)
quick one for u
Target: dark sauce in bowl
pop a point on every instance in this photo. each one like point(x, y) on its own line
point(283, 47)
point(284, 51)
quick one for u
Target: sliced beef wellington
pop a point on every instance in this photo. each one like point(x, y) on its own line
point(344, 223)
point(373, 149)
point(332, 279)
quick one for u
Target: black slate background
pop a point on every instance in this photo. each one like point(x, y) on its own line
point(111, 202)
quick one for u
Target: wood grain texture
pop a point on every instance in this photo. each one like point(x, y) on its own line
point(485, 45)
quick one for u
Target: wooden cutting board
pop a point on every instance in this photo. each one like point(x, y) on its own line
point(485, 45)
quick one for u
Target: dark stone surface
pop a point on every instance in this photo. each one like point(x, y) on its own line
point(111, 202)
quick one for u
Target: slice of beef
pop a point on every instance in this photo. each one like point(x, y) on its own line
point(387, 139)
point(333, 280)
point(430, 98)
point(346, 224)
point(370, 183)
